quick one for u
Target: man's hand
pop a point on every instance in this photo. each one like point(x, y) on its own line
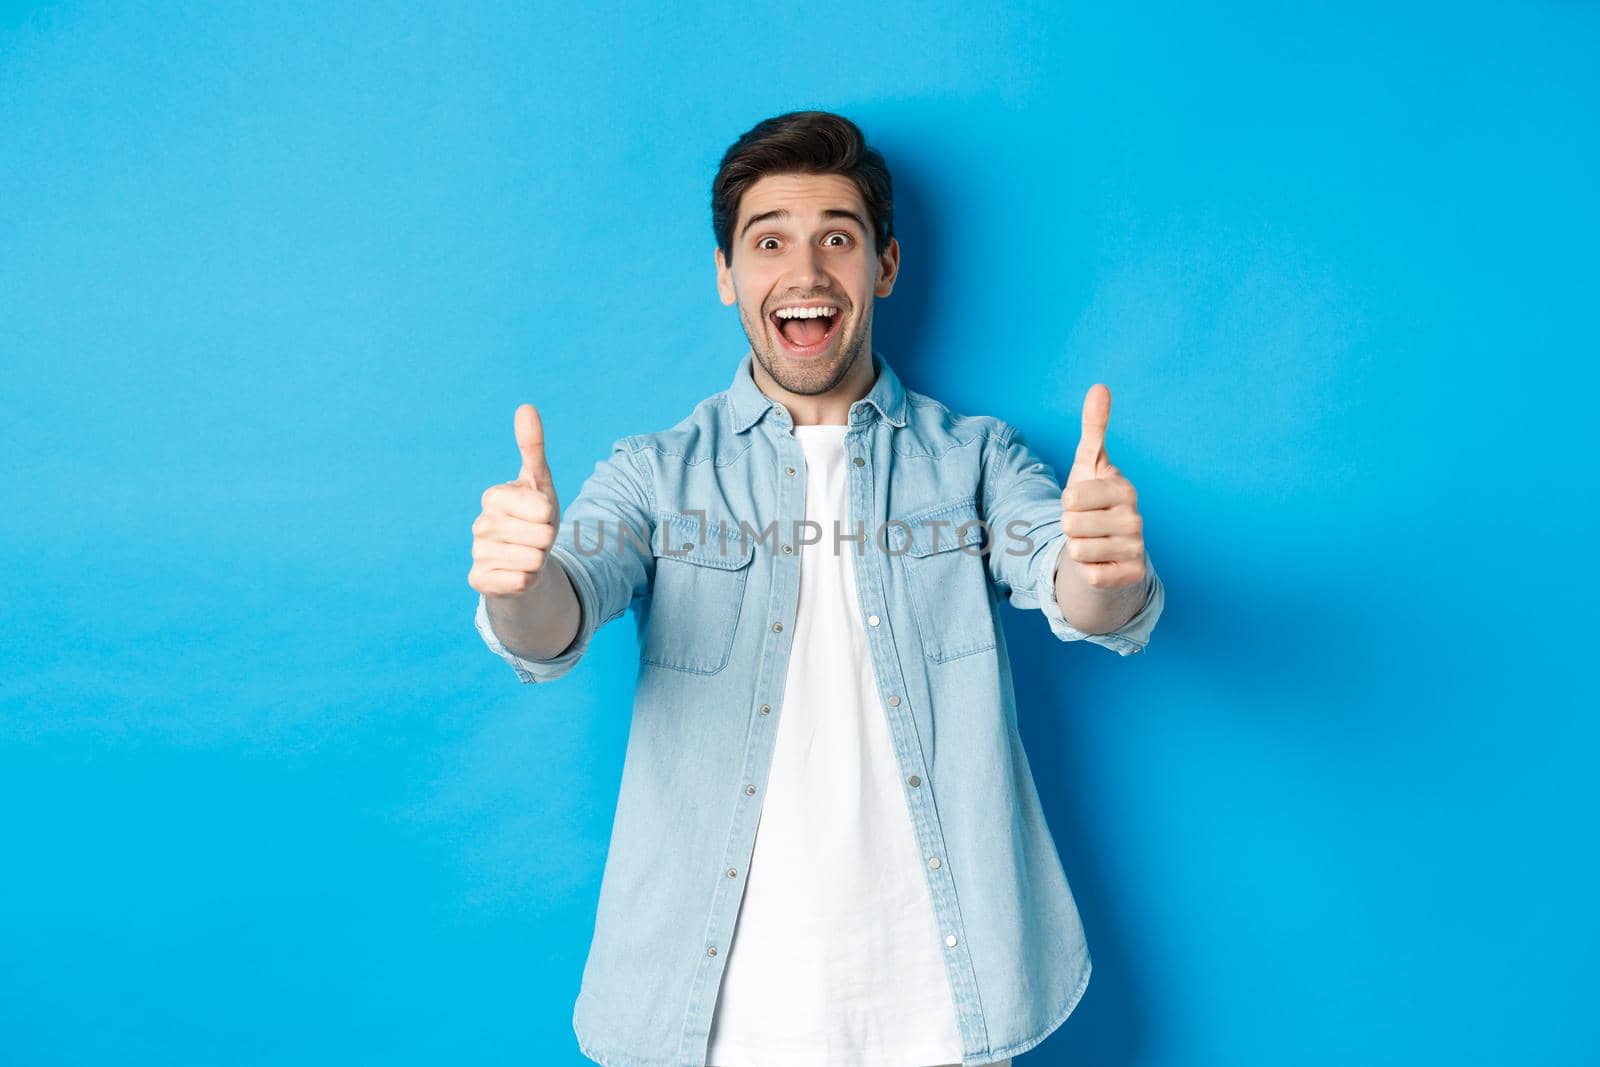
point(519, 519)
point(1103, 561)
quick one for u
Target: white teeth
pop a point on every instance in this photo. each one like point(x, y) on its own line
point(805, 313)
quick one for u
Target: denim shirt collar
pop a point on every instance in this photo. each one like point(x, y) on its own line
point(747, 403)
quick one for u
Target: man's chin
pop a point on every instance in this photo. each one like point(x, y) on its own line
point(808, 376)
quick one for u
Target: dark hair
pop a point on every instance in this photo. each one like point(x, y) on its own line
point(802, 142)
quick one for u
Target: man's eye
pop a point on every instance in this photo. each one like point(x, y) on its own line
point(764, 245)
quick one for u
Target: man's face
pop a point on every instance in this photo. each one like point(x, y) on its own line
point(805, 239)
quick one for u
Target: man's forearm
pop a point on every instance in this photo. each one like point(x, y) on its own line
point(544, 621)
point(1097, 611)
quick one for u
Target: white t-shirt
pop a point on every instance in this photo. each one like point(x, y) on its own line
point(836, 955)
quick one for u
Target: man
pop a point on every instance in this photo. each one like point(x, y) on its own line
point(828, 846)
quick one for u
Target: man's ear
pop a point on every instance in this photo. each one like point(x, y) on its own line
point(725, 281)
point(888, 267)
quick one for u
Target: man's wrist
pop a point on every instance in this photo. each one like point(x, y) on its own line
point(1101, 611)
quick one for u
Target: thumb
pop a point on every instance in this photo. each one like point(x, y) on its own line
point(530, 442)
point(1091, 454)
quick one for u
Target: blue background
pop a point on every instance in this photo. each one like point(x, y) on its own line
point(272, 283)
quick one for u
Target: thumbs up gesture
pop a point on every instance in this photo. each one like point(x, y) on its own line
point(1099, 508)
point(518, 524)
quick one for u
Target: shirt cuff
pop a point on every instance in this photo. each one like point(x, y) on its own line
point(547, 670)
point(1129, 638)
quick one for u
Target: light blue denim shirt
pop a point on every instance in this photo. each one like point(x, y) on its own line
point(958, 513)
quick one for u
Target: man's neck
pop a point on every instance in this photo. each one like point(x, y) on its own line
point(822, 409)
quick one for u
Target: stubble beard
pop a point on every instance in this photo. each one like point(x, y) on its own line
point(810, 378)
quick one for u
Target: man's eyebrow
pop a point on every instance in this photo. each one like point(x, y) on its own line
point(783, 213)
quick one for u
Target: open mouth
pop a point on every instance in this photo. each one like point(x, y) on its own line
point(807, 336)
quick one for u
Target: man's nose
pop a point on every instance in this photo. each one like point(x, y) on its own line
point(809, 272)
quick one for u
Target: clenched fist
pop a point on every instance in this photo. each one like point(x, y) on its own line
point(518, 524)
point(1099, 508)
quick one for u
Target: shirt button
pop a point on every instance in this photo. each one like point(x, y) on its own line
point(766, 709)
point(787, 550)
point(749, 790)
point(872, 620)
point(777, 627)
point(949, 939)
point(858, 461)
point(789, 471)
point(933, 862)
point(689, 546)
point(712, 951)
point(894, 702)
point(732, 873)
point(914, 780)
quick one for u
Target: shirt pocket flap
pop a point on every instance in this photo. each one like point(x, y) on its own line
point(941, 528)
point(703, 541)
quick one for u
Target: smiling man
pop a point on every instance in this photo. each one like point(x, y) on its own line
point(805, 281)
point(828, 846)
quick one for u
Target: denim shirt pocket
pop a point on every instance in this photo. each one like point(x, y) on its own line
point(697, 592)
point(939, 549)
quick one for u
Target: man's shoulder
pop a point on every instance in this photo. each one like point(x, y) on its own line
point(933, 419)
point(704, 429)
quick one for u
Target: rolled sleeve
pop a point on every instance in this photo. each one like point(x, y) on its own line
point(1132, 636)
point(528, 668)
point(609, 573)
